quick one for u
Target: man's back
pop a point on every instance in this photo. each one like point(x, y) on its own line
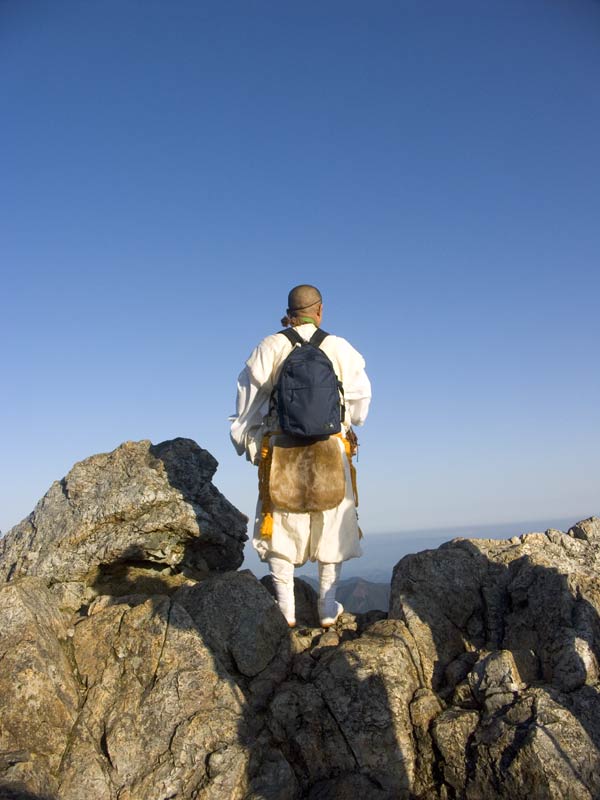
point(323, 528)
point(262, 370)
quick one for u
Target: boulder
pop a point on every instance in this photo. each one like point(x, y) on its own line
point(541, 747)
point(161, 717)
point(350, 717)
point(508, 633)
point(241, 624)
point(305, 600)
point(140, 513)
point(39, 690)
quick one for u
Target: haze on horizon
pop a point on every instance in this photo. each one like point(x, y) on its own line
point(171, 170)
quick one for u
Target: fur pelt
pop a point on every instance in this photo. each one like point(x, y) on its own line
point(306, 477)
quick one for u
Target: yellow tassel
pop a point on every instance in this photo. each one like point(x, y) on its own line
point(266, 526)
point(348, 449)
point(264, 473)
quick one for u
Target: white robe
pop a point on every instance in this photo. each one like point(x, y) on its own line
point(329, 536)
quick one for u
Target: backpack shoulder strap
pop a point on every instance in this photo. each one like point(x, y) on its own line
point(318, 336)
point(293, 336)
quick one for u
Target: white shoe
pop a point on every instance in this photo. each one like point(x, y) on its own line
point(327, 622)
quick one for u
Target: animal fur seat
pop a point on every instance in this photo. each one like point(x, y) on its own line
point(306, 477)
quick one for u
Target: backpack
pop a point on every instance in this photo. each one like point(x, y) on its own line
point(308, 395)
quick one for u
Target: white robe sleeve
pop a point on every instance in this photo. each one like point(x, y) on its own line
point(252, 403)
point(251, 406)
point(357, 387)
point(358, 408)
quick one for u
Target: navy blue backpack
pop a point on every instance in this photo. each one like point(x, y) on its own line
point(308, 394)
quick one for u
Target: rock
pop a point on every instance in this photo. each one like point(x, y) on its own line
point(39, 694)
point(328, 640)
point(241, 624)
point(305, 598)
point(495, 680)
point(522, 612)
point(308, 734)
point(425, 707)
point(536, 749)
point(17, 791)
point(457, 670)
point(152, 507)
point(136, 665)
point(354, 715)
point(452, 731)
point(348, 787)
point(587, 529)
point(439, 596)
point(161, 717)
point(538, 598)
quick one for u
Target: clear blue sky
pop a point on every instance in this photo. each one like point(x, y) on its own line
point(170, 169)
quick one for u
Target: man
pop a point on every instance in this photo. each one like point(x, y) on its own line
point(284, 538)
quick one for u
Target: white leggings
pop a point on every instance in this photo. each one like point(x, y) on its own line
point(282, 572)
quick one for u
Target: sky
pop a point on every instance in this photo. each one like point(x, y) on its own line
point(170, 170)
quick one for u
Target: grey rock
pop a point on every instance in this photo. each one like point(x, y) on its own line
point(438, 594)
point(588, 530)
point(366, 685)
point(149, 726)
point(241, 624)
point(271, 776)
point(308, 734)
point(536, 749)
point(305, 599)
point(452, 731)
point(39, 694)
point(525, 613)
point(143, 505)
point(348, 787)
point(425, 707)
point(538, 598)
point(495, 680)
point(136, 665)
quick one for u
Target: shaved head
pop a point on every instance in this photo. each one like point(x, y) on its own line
point(303, 298)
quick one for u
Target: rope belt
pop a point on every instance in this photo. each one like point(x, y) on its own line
point(264, 474)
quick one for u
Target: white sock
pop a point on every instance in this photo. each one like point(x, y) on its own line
point(282, 572)
point(329, 575)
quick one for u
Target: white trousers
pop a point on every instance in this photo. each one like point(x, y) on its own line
point(282, 572)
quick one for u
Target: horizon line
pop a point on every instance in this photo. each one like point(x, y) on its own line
point(431, 529)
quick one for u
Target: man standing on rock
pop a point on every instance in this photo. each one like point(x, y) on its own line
point(297, 396)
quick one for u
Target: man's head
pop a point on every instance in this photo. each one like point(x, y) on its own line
point(304, 303)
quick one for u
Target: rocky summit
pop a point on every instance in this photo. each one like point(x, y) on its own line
point(137, 663)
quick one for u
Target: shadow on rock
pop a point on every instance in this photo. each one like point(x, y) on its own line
point(15, 793)
point(297, 714)
point(509, 636)
point(190, 469)
point(136, 665)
